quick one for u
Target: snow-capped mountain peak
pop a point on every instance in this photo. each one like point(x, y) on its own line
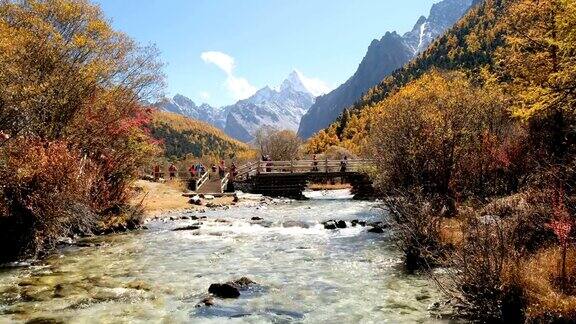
point(442, 16)
point(297, 81)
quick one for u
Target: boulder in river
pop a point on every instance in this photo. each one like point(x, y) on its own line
point(225, 290)
point(196, 200)
point(257, 218)
point(330, 225)
point(187, 228)
point(341, 224)
point(378, 228)
point(230, 289)
point(357, 222)
point(206, 302)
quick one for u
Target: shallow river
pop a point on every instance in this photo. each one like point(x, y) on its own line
point(304, 272)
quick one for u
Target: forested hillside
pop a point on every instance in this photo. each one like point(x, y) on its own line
point(469, 46)
point(181, 136)
point(475, 145)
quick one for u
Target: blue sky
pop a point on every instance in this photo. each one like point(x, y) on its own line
point(248, 44)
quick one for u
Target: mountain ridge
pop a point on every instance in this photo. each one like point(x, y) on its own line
point(382, 58)
point(280, 108)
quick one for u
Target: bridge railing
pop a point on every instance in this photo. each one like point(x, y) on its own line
point(202, 180)
point(224, 182)
point(301, 166)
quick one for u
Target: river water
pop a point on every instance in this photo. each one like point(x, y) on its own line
point(305, 273)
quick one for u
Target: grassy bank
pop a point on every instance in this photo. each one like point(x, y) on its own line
point(157, 198)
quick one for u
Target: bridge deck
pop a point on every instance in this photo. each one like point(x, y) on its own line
point(331, 168)
point(290, 178)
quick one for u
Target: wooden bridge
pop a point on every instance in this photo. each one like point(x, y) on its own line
point(290, 178)
point(284, 178)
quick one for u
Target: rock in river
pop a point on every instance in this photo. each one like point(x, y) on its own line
point(341, 224)
point(377, 228)
point(230, 289)
point(206, 302)
point(187, 228)
point(330, 225)
point(225, 290)
point(196, 200)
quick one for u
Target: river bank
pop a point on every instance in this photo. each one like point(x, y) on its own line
point(159, 199)
point(304, 272)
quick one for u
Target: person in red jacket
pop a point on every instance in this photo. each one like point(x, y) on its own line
point(192, 171)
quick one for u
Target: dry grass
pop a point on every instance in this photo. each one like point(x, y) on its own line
point(161, 198)
point(539, 279)
point(158, 198)
point(451, 233)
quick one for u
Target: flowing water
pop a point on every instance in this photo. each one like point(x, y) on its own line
point(304, 272)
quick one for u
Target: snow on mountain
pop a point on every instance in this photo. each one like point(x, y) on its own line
point(383, 57)
point(186, 107)
point(299, 82)
point(280, 108)
point(442, 16)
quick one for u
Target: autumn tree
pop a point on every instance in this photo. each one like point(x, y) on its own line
point(57, 55)
point(539, 61)
point(322, 141)
point(443, 135)
point(279, 145)
point(73, 131)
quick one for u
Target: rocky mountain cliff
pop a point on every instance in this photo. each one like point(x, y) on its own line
point(383, 57)
point(186, 107)
point(279, 108)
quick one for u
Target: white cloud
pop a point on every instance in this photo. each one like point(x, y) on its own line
point(221, 60)
point(239, 87)
point(316, 86)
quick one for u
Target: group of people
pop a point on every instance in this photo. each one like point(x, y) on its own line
point(197, 170)
point(221, 169)
point(343, 164)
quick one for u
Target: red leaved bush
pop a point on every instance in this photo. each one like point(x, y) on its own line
point(114, 136)
point(561, 224)
point(53, 189)
point(44, 193)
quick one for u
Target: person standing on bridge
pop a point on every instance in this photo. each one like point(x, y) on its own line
point(233, 171)
point(344, 164)
point(214, 169)
point(314, 164)
point(172, 171)
point(157, 173)
point(222, 169)
point(269, 163)
point(193, 171)
point(343, 167)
